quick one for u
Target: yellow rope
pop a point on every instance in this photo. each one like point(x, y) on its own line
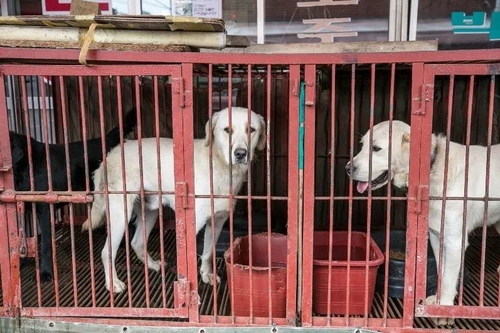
point(87, 40)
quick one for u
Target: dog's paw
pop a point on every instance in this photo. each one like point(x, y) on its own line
point(46, 277)
point(209, 278)
point(118, 286)
point(430, 300)
point(439, 321)
point(400, 180)
point(443, 321)
point(154, 265)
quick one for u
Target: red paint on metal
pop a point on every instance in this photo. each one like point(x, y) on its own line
point(8, 227)
point(389, 198)
point(184, 173)
point(209, 135)
point(134, 58)
point(293, 192)
point(308, 192)
point(461, 310)
point(182, 125)
point(413, 178)
point(249, 192)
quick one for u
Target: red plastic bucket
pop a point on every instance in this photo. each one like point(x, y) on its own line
point(268, 280)
point(344, 295)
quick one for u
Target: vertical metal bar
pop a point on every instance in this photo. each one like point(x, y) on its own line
point(160, 190)
point(123, 168)
point(413, 20)
point(142, 195)
point(260, 21)
point(87, 186)
point(414, 226)
point(209, 134)
point(186, 128)
point(11, 282)
point(332, 190)
point(32, 185)
point(249, 194)
point(349, 219)
point(392, 20)
point(370, 197)
point(106, 194)
point(389, 199)
point(50, 188)
point(70, 188)
point(439, 255)
point(309, 199)
point(491, 106)
point(293, 191)
point(466, 187)
point(268, 184)
point(231, 196)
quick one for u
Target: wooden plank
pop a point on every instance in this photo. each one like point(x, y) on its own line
point(125, 22)
point(337, 47)
point(82, 7)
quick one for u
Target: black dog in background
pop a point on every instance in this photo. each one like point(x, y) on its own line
point(57, 154)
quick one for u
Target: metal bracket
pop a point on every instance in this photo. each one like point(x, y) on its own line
point(181, 293)
point(426, 95)
point(178, 89)
point(182, 193)
point(421, 191)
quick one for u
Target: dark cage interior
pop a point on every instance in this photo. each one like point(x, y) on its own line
point(349, 98)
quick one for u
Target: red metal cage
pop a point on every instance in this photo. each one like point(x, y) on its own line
point(315, 109)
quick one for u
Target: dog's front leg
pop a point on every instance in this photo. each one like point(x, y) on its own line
point(452, 254)
point(43, 216)
point(206, 272)
point(434, 240)
point(150, 217)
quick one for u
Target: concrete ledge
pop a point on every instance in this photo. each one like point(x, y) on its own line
point(337, 47)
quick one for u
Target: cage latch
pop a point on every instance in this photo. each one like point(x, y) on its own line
point(182, 194)
point(181, 292)
point(421, 192)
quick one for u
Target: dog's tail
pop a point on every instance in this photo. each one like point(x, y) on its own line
point(129, 123)
point(98, 206)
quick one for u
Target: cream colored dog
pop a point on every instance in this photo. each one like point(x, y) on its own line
point(454, 211)
point(229, 145)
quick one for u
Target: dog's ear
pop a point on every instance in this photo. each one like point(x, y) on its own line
point(209, 129)
point(261, 144)
point(406, 139)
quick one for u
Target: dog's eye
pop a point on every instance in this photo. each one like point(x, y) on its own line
point(376, 148)
point(228, 130)
point(251, 129)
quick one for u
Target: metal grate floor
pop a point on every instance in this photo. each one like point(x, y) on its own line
point(45, 297)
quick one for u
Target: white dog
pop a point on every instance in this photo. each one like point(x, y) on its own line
point(454, 209)
point(229, 145)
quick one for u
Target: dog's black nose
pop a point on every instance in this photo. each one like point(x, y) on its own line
point(349, 168)
point(240, 153)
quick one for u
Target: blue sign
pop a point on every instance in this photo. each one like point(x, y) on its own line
point(476, 24)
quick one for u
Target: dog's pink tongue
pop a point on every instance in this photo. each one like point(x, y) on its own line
point(362, 186)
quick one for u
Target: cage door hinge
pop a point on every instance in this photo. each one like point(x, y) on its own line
point(27, 245)
point(427, 95)
point(179, 88)
point(421, 192)
point(182, 293)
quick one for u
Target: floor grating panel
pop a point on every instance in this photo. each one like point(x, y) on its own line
point(84, 284)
